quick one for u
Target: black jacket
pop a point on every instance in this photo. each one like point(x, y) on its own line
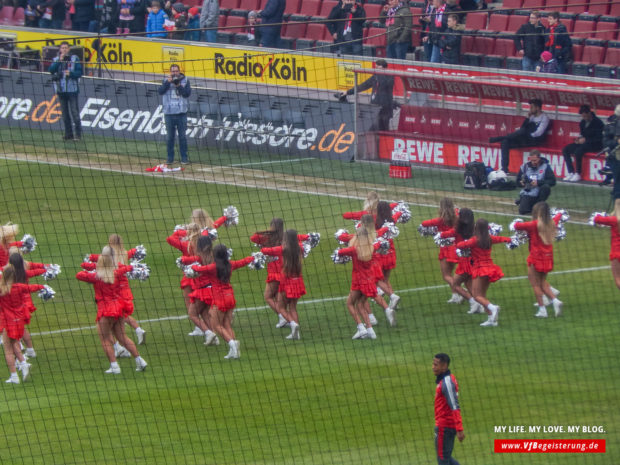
point(139, 12)
point(273, 12)
point(611, 132)
point(593, 133)
point(531, 39)
point(559, 43)
point(435, 31)
point(382, 89)
point(357, 21)
point(450, 45)
point(57, 6)
point(84, 11)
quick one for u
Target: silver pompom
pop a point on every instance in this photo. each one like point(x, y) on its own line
point(427, 230)
point(515, 242)
point(392, 231)
point(141, 271)
point(403, 208)
point(47, 293)
point(29, 243)
point(305, 247)
point(313, 239)
point(230, 253)
point(211, 232)
point(443, 241)
point(180, 227)
point(259, 261)
point(560, 232)
point(86, 258)
point(564, 214)
point(463, 252)
point(495, 229)
point(179, 262)
point(51, 271)
point(189, 272)
point(511, 226)
point(594, 215)
point(340, 259)
point(232, 216)
point(339, 233)
point(384, 246)
point(140, 253)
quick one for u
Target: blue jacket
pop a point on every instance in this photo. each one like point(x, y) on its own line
point(176, 99)
point(155, 24)
point(67, 84)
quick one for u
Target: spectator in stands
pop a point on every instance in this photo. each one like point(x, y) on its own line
point(549, 65)
point(591, 140)
point(193, 22)
point(468, 5)
point(32, 14)
point(558, 41)
point(176, 91)
point(209, 17)
point(450, 42)
point(349, 31)
point(83, 16)
point(108, 20)
point(125, 18)
point(437, 26)
point(531, 133)
point(155, 21)
point(271, 18)
point(452, 7)
point(425, 20)
point(52, 14)
point(66, 71)
point(611, 141)
point(254, 33)
point(399, 23)
point(139, 11)
point(537, 178)
point(530, 42)
point(382, 95)
point(179, 17)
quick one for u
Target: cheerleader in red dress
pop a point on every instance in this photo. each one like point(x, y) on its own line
point(447, 255)
point(223, 294)
point(12, 320)
point(370, 208)
point(541, 231)
point(291, 280)
point(121, 256)
point(111, 307)
point(614, 255)
point(363, 282)
point(462, 275)
point(8, 232)
point(272, 238)
point(484, 271)
point(387, 261)
point(201, 297)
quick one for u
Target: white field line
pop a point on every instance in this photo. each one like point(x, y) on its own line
point(316, 301)
point(247, 184)
point(270, 162)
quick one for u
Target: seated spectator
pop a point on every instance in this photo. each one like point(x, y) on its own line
point(530, 42)
point(349, 31)
point(591, 140)
point(537, 178)
point(193, 22)
point(531, 133)
point(254, 33)
point(209, 17)
point(156, 20)
point(558, 41)
point(549, 65)
point(450, 42)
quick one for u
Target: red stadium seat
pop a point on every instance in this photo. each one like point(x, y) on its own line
point(606, 30)
point(498, 22)
point(6, 15)
point(376, 36)
point(292, 7)
point(248, 5)
point(294, 30)
point(584, 29)
point(484, 45)
point(221, 22)
point(467, 43)
point(476, 21)
point(233, 21)
point(614, 9)
point(554, 5)
point(373, 11)
point(229, 4)
point(598, 7)
point(504, 47)
point(317, 31)
point(310, 7)
point(536, 4)
point(18, 17)
point(612, 56)
point(515, 22)
point(577, 52)
point(576, 6)
point(512, 4)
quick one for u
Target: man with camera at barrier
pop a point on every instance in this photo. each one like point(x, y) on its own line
point(176, 91)
point(537, 178)
point(66, 71)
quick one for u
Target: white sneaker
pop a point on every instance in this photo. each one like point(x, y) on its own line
point(495, 314)
point(455, 299)
point(140, 335)
point(542, 313)
point(113, 370)
point(557, 307)
point(141, 364)
point(25, 369)
point(123, 353)
point(282, 322)
point(216, 341)
point(568, 177)
point(576, 177)
point(370, 333)
point(196, 332)
point(294, 331)
point(30, 353)
point(231, 351)
point(475, 308)
point(556, 292)
point(373, 319)
point(546, 300)
point(360, 334)
point(390, 316)
point(14, 379)
point(394, 300)
point(489, 322)
point(209, 337)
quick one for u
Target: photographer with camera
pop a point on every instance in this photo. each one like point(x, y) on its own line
point(176, 91)
point(347, 33)
point(66, 71)
point(537, 178)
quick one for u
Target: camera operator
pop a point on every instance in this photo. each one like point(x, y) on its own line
point(347, 33)
point(176, 91)
point(66, 71)
point(537, 178)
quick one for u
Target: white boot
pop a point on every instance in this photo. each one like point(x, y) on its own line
point(361, 332)
point(232, 351)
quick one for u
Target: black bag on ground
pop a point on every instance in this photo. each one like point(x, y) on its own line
point(475, 175)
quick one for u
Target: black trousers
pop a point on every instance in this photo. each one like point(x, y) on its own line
point(578, 150)
point(444, 445)
point(527, 202)
point(70, 114)
point(519, 138)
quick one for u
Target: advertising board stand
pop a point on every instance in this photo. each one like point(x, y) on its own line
point(400, 166)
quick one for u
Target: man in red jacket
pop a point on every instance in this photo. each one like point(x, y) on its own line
point(448, 422)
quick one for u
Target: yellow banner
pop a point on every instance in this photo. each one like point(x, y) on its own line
point(144, 55)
